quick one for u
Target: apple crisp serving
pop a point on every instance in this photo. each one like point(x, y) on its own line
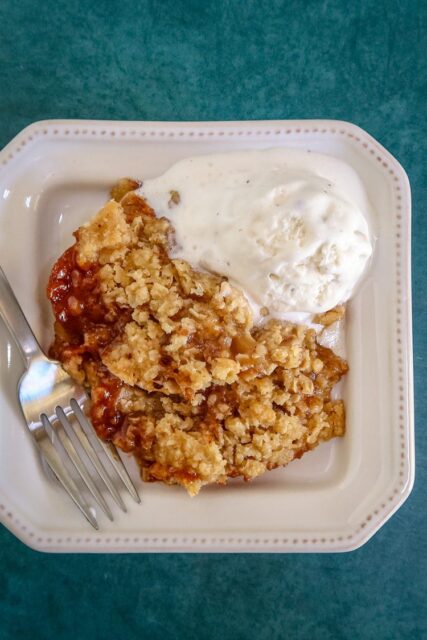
point(178, 373)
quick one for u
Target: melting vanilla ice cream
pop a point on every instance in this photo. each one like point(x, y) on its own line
point(287, 227)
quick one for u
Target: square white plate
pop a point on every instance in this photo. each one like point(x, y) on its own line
point(53, 176)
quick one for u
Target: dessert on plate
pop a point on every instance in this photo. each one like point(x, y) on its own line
point(191, 307)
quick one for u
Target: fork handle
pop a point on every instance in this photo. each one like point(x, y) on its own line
point(16, 322)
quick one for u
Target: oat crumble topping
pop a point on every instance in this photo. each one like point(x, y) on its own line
point(178, 373)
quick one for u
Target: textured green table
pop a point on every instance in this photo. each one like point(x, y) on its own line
point(195, 60)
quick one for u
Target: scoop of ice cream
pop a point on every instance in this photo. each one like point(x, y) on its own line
point(288, 236)
point(309, 244)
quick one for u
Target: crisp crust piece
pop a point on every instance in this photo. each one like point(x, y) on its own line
point(329, 317)
point(179, 375)
point(106, 232)
point(122, 187)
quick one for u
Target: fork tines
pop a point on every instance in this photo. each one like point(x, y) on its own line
point(74, 431)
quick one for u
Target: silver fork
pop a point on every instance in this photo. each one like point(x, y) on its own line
point(53, 407)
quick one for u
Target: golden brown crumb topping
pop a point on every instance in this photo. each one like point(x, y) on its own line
point(179, 375)
point(329, 317)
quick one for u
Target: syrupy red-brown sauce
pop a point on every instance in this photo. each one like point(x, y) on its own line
point(73, 292)
point(83, 327)
point(105, 415)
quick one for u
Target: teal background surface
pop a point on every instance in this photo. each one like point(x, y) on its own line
point(194, 60)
